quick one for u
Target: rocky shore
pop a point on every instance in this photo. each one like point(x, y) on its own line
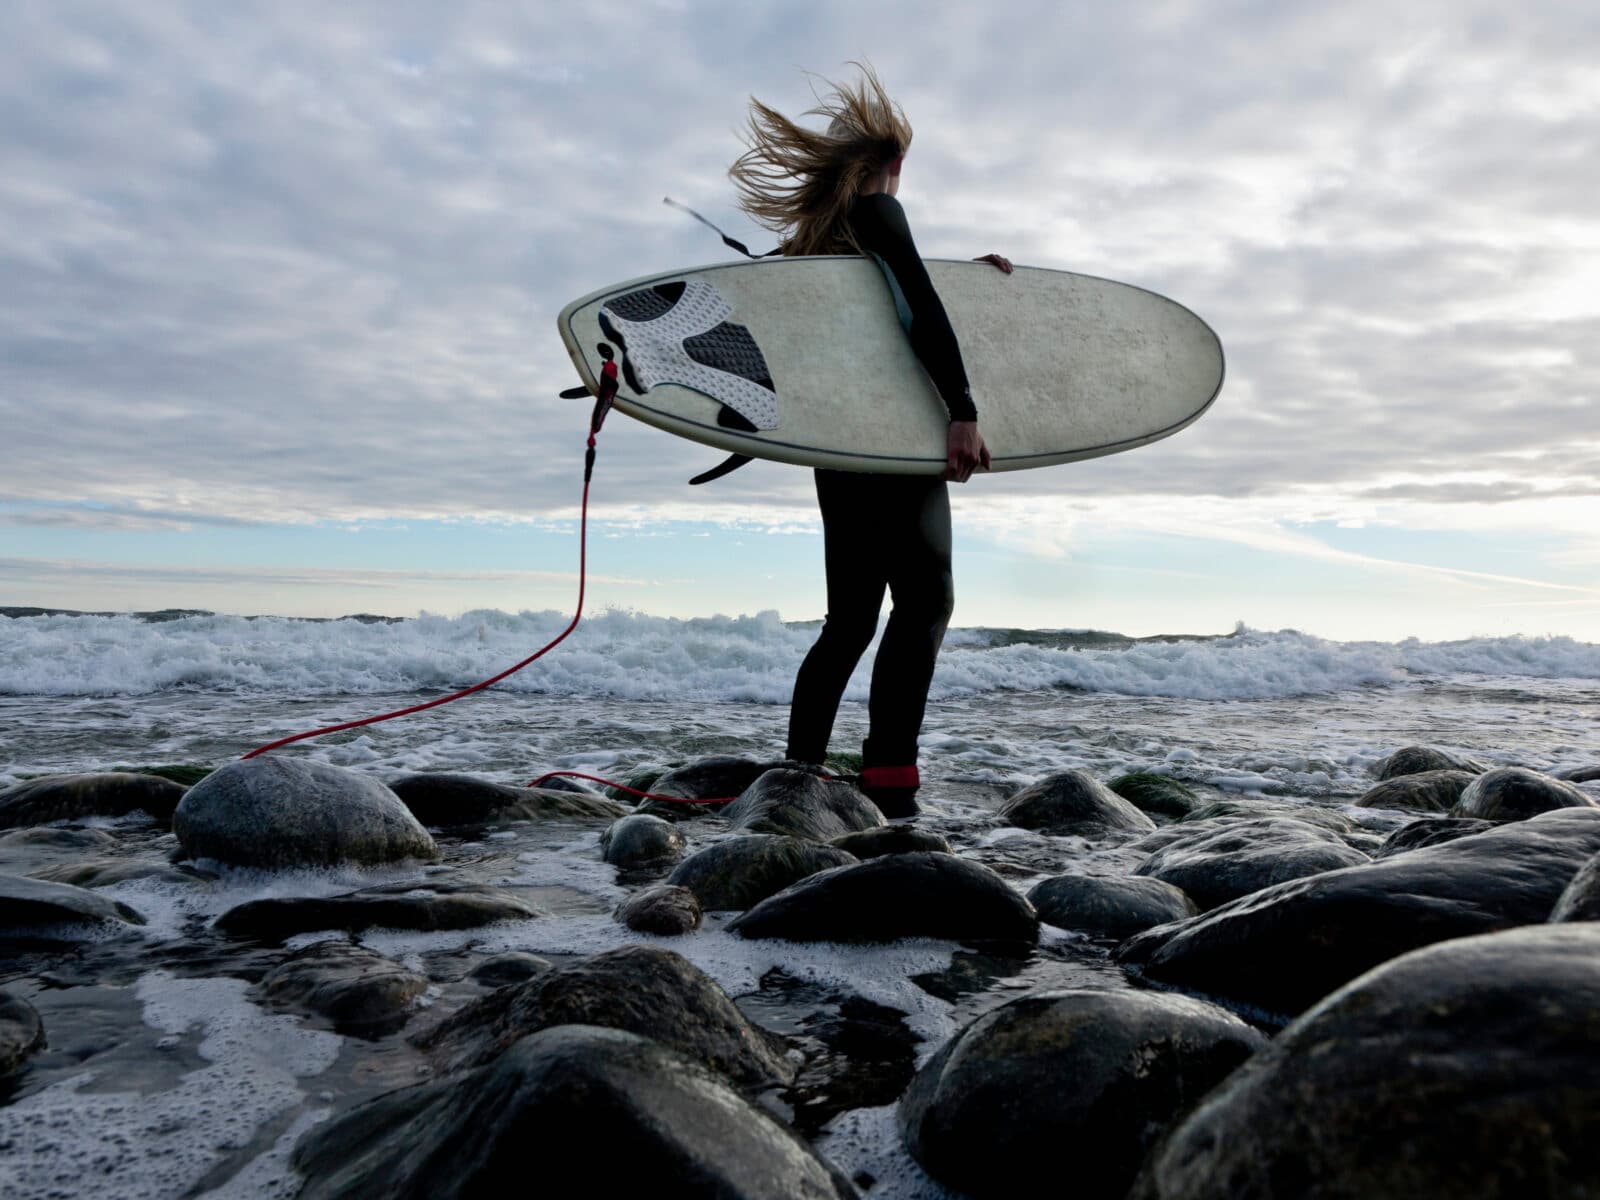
point(1150, 989)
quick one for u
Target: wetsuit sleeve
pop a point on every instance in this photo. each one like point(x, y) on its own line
point(881, 230)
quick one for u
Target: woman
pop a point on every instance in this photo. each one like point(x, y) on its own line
point(834, 192)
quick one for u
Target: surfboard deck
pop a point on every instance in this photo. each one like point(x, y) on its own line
point(810, 353)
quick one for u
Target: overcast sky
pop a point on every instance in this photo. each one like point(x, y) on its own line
point(278, 285)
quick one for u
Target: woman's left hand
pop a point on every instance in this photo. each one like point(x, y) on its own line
point(998, 260)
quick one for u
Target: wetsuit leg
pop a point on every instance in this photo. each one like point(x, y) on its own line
point(854, 528)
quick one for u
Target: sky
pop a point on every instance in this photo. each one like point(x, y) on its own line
point(278, 288)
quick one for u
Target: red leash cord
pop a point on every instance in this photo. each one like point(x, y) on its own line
point(608, 389)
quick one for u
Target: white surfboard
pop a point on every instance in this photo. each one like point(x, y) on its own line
point(803, 360)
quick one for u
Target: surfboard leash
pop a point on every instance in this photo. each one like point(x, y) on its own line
point(602, 405)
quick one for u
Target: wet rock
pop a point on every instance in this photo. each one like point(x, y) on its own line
point(642, 989)
point(35, 909)
point(1217, 865)
point(897, 896)
point(1421, 791)
point(647, 1120)
point(1429, 831)
point(639, 840)
point(74, 840)
point(1580, 901)
point(1311, 814)
point(21, 1033)
point(797, 803)
point(514, 966)
point(1109, 907)
point(1286, 947)
point(443, 800)
point(97, 794)
point(359, 990)
point(1516, 793)
point(1417, 760)
point(1090, 1078)
point(717, 777)
point(103, 872)
point(1464, 1070)
point(566, 783)
point(1580, 774)
point(891, 839)
point(740, 872)
point(664, 910)
point(291, 812)
point(1152, 793)
point(426, 906)
point(1073, 802)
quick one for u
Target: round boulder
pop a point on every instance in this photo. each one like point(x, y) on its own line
point(1109, 907)
point(1073, 802)
point(34, 909)
point(442, 800)
point(359, 990)
point(639, 840)
point(1422, 791)
point(425, 906)
point(1215, 865)
point(512, 966)
point(1153, 793)
point(1581, 899)
point(96, 794)
point(21, 1033)
point(1515, 794)
point(664, 910)
point(740, 872)
point(1416, 760)
point(891, 839)
point(1429, 831)
point(796, 803)
point(1090, 1078)
point(292, 812)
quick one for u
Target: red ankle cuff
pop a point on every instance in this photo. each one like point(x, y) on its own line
point(890, 777)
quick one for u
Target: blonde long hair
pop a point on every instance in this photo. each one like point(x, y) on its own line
point(800, 182)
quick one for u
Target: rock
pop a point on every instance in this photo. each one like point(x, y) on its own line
point(740, 872)
point(1311, 814)
point(33, 909)
point(1421, 791)
point(293, 812)
point(1217, 865)
point(641, 1119)
point(1152, 793)
point(514, 966)
point(1416, 760)
point(98, 794)
point(427, 906)
point(1073, 802)
point(1580, 774)
point(73, 840)
point(1463, 1070)
point(103, 872)
point(1516, 793)
point(21, 1033)
point(635, 988)
point(1580, 900)
point(797, 803)
point(1429, 831)
point(565, 783)
point(359, 990)
point(897, 896)
point(1090, 1078)
point(1109, 907)
point(443, 800)
point(717, 777)
point(639, 840)
point(1286, 947)
point(890, 839)
point(664, 910)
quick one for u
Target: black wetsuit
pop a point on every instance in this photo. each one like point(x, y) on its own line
point(885, 531)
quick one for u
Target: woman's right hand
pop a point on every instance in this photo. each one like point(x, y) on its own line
point(965, 452)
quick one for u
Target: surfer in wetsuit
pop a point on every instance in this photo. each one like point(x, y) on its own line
point(834, 192)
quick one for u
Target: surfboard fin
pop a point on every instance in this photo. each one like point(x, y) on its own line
point(732, 463)
point(577, 393)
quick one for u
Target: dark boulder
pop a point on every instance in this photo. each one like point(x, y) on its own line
point(26, 851)
point(795, 803)
point(1109, 907)
point(1515, 794)
point(1429, 831)
point(513, 966)
point(664, 910)
point(1217, 865)
point(1311, 814)
point(1073, 802)
point(1579, 774)
point(642, 1119)
point(443, 800)
point(1090, 1078)
point(891, 839)
point(1152, 793)
point(359, 990)
point(1463, 1070)
point(32, 909)
point(1286, 947)
point(426, 906)
point(565, 783)
point(98, 794)
point(740, 872)
point(1416, 760)
point(642, 989)
point(103, 872)
point(21, 1033)
point(639, 840)
point(897, 896)
point(293, 812)
point(1424, 791)
point(717, 777)
point(1580, 900)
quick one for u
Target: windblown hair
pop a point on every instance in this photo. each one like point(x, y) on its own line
point(800, 183)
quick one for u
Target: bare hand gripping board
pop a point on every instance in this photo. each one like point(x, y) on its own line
point(803, 360)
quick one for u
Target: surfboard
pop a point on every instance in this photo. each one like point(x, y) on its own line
point(804, 361)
